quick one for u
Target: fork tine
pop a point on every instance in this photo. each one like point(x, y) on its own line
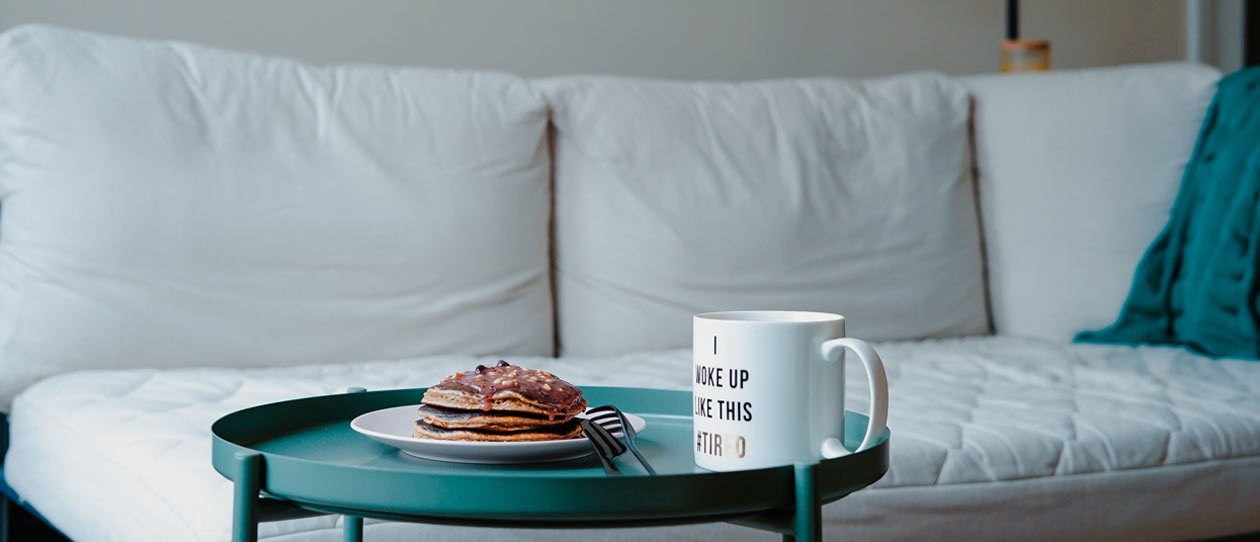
point(611, 418)
point(608, 418)
point(624, 423)
point(612, 424)
point(608, 423)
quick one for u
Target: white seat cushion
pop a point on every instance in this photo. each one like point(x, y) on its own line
point(992, 437)
point(1078, 170)
point(169, 205)
point(832, 195)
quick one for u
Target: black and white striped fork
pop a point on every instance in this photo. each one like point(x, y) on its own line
point(614, 420)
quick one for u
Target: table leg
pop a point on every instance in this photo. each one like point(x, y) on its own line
point(245, 505)
point(353, 528)
point(807, 520)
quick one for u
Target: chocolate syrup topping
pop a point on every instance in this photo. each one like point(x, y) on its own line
point(539, 386)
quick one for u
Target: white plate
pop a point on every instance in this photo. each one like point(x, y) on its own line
point(394, 426)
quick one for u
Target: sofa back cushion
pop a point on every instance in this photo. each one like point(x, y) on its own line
point(170, 205)
point(830, 195)
point(1077, 173)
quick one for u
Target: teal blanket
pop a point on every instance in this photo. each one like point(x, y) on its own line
point(1197, 285)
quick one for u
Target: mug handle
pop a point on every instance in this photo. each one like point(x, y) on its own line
point(876, 380)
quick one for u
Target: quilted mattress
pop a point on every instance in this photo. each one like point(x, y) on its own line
point(993, 437)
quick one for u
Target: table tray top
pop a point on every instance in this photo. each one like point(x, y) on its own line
point(312, 458)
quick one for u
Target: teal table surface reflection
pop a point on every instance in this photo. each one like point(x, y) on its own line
point(300, 458)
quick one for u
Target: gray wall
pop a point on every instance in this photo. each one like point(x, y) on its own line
point(705, 39)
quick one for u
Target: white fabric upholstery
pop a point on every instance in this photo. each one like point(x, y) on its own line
point(833, 195)
point(168, 205)
point(993, 438)
point(1077, 173)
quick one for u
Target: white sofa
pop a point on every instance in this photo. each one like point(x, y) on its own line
point(185, 232)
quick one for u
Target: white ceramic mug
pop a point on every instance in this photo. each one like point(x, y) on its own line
point(768, 388)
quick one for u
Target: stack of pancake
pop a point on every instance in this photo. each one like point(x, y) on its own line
point(504, 403)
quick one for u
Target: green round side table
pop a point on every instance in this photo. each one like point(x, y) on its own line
point(300, 458)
